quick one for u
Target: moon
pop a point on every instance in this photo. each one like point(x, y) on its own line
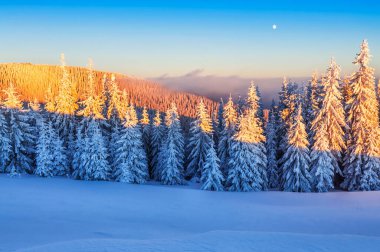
point(274, 26)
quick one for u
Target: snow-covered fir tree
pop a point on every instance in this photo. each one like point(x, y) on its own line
point(146, 135)
point(271, 147)
point(212, 178)
point(322, 161)
point(51, 157)
point(296, 160)
point(260, 112)
point(229, 128)
point(311, 104)
point(157, 137)
point(19, 135)
point(124, 104)
point(362, 164)
point(200, 141)
point(171, 156)
point(44, 158)
point(65, 102)
point(92, 106)
point(131, 162)
point(219, 122)
point(34, 118)
point(328, 126)
point(78, 169)
point(94, 154)
point(65, 109)
point(285, 109)
point(114, 103)
point(248, 144)
point(5, 142)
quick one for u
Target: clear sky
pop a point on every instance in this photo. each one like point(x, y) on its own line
point(172, 38)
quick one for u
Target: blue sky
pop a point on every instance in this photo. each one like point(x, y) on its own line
point(173, 38)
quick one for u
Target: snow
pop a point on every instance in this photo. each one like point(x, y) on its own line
point(60, 214)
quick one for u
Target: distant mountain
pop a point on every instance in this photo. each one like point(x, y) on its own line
point(32, 81)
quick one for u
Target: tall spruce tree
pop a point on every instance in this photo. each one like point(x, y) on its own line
point(362, 165)
point(212, 178)
point(44, 158)
point(311, 104)
point(229, 128)
point(200, 141)
point(248, 144)
point(131, 162)
point(5, 142)
point(65, 102)
point(50, 159)
point(92, 106)
point(157, 137)
point(20, 136)
point(146, 135)
point(94, 154)
point(328, 132)
point(65, 109)
point(171, 156)
point(296, 160)
point(271, 147)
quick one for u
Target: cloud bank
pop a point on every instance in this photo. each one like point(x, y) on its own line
point(216, 87)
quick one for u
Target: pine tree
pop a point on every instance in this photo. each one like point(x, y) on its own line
point(65, 102)
point(271, 147)
point(50, 159)
point(33, 120)
point(77, 164)
point(311, 104)
point(146, 135)
point(158, 133)
point(229, 129)
point(19, 134)
point(171, 156)
point(219, 123)
point(92, 106)
point(362, 165)
point(248, 144)
point(212, 177)
point(200, 141)
point(114, 103)
point(328, 132)
point(94, 155)
point(132, 166)
point(58, 152)
point(44, 162)
point(296, 160)
point(322, 160)
point(5, 142)
point(285, 110)
point(65, 109)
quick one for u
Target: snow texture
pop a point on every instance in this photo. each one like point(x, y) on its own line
point(60, 214)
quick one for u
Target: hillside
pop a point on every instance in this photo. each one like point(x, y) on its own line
point(31, 81)
point(59, 214)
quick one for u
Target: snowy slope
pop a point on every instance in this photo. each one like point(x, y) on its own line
point(59, 214)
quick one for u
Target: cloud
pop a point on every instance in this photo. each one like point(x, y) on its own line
point(217, 87)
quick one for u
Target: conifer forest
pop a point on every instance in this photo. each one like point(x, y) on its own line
point(91, 125)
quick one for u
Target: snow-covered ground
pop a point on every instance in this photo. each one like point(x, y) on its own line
point(59, 214)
